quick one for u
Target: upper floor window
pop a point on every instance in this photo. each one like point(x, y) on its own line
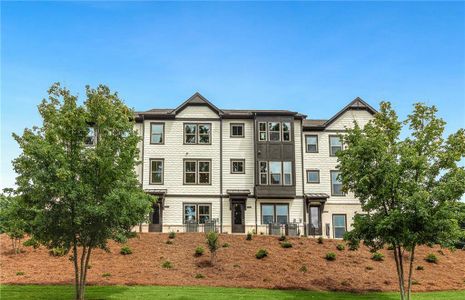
point(274, 130)
point(90, 139)
point(275, 172)
point(263, 173)
point(197, 171)
point(157, 131)
point(237, 130)
point(237, 166)
point(197, 133)
point(156, 171)
point(312, 143)
point(335, 145)
point(286, 131)
point(262, 133)
point(287, 172)
point(313, 176)
point(336, 184)
point(279, 173)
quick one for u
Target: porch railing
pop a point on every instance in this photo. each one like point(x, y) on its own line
point(208, 226)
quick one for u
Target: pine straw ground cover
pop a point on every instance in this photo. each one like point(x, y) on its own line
point(236, 265)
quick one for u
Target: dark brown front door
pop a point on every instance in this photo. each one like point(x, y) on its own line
point(156, 224)
point(238, 217)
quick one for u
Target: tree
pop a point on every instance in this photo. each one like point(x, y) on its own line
point(12, 219)
point(213, 244)
point(408, 187)
point(76, 172)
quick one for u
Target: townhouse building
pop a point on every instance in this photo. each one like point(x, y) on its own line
point(266, 171)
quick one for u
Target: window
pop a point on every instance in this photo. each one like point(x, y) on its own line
point(262, 133)
point(197, 134)
point(263, 172)
point(156, 133)
point(286, 131)
point(339, 226)
point(274, 129)
point(156, 171)
point(90, 138)
point(336, 184)
point(275, 213)
point(237, 166)
point(237, 130)
point(312, 143)
point(315, 220)
point(335, 145)
point(197, 172)
point(275, 172)
point(287, 172)
point(313, 176)
point(199, 213)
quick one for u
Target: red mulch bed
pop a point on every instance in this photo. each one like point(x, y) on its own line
point(236, 265)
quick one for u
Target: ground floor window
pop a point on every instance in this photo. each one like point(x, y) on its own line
point(275, 213)
point(199, 213)
point(339, 226)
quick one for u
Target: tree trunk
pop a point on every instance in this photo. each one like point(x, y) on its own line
point(412, 257)
point(76, 271)
point(400, 274)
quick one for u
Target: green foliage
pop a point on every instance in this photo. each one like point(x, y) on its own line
point(303, 269)
point(353, 246)
point(31, 243)
point(58, 251)
point(431, 258)
point(13, 218)
point(262, 253)
point(282, 238)
point(377, 256)
point(286, 244)
point(408, 187)
point(248, 237)
point(199, 251)
point(106, 274)
point(20, 273)
point(330, 256)
point(225, 245)
point(125, 250)
point(81, 195)
point(169, 242)
point(420, 268)
point(199, 276)
point(167, 265)
point(369, 268)
point(213, 244)
point(320, 240)
point(172, 235)
point(340, 247)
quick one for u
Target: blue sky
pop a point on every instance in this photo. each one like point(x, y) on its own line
point(308, 57)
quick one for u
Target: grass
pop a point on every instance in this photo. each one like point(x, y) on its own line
point(54, 292)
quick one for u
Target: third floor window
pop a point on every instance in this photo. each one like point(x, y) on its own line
point(335, 145)
point(274, 131)
point(157, 131)
point(197, 134)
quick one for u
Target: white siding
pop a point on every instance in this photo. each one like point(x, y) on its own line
point(197, 112)
point(346, 120)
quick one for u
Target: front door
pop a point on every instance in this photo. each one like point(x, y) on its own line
point(238, 217)
point(156, 224)
point(314, 218)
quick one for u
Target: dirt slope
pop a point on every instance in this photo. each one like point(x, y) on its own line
point(236, 265)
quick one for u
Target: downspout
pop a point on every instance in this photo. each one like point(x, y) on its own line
point(255, 170)
point(221, 174)
point(303, 175)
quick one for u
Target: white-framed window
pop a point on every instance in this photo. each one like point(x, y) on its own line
point(197, 134)
point(263, 172)
point(287, 172)
point(275, 172)
point(313, 176)
point(262, 132)
point(237, 166)
point(197, 171)
point(336, 184)
point(157, 131)
point(339, 225)
point(237, 130)
point(156, 171)
point(286, 131)
point(274, 131)
point(199, 213)
point(275, 213)
point(335, 145)
point(312, 143)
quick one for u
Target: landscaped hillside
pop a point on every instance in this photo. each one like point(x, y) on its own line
point(303, 266)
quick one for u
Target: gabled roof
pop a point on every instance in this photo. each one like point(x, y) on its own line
point(197, 99)
point(356, 104)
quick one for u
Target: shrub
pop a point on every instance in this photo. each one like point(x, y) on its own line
point(330, 256)
point(303, 269)
point(353, 246)
point(213, 244)
point(125, 250)
point(199, 251)
point(286, 245)
point(19, 273)
point(172, 235)
point(320, 240)
point(261, 254)
point(282, 238)
point(420, 268)
point(169, 242)
point(340, 247)
point(249, 236)
point(391, 247)
point(431, 258)
point(167, 265)
point(31, 243)
point(106, 275)
point(225, 245)
point(89, 266)
point(57, 251)
point(415, 282)
point(377, 256)
point(369, 268)
point(199, 276)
